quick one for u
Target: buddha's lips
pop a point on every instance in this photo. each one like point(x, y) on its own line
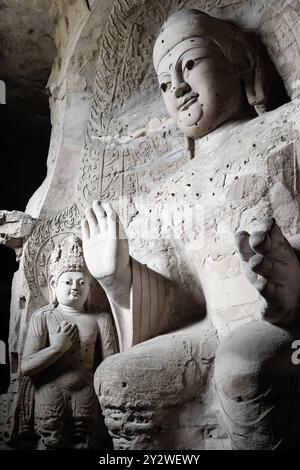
point(187, 101)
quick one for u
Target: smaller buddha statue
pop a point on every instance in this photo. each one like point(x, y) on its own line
point(64, 345)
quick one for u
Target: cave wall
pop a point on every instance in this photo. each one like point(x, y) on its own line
point(113, 140)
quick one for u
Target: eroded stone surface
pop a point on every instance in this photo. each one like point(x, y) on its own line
point(16, 228)
point(177, 369)
point(112, 140)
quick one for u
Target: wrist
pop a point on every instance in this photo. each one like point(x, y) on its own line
point(118, 284)
point(59, 347)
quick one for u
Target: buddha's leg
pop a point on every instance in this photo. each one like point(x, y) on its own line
point(85, 417)
point(151, 394)
point(258, 385)
point(50, 409)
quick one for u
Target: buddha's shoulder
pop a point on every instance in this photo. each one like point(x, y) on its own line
point(42, 312)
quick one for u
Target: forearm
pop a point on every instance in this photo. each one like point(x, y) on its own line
point(118, 285)
point(41, 360)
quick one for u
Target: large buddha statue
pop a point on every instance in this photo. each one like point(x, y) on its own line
point(210, 72)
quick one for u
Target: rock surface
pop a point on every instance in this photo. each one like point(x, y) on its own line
point(112, 140)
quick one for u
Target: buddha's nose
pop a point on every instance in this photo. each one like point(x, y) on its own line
point(179, 85)
point(181, 88)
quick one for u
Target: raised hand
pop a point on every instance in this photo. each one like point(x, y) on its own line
point(65, 336)
point(271, 265)
point(105, 246)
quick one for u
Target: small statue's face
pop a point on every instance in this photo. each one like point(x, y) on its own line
point(201, 89)
point(72, 289)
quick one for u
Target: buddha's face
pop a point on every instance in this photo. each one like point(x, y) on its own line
point(72, 289)
point(200, 87)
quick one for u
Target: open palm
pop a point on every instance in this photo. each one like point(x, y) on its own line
point(105, 246)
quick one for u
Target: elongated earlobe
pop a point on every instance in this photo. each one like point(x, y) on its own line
point(255, 92)
point(255, 85)
point(52, 289)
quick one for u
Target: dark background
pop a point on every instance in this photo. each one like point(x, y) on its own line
point(27, 52)
point(24, 141)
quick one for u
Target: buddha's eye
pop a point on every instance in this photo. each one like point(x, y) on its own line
point(81, 283)
point(189, 65)
point(68, 283)
point(164, 86)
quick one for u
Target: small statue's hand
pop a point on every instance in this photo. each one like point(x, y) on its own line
point(272, 267)
point(105, 245)
point(65, 336)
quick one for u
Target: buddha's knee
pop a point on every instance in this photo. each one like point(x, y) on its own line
point(159, 372)
point(149, 385)
point(257, 385)
point(251, 358)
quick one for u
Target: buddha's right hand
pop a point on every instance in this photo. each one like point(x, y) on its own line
point(105, 245)
point(64, 338)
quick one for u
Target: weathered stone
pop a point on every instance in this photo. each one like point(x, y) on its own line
point(16, 228)
point(113, 141)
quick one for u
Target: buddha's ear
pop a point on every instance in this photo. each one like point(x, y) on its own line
point(255, 90)
point(254, 82)
point(52, 289)
point(252, 71)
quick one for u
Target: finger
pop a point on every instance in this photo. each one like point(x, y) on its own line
point(92, 221)
point(279, 242)
point(63, 323)
point(262, 238)
point(242, 242)
point(66, 328)
point(73, 334)
point(261, 265)
point(112, 219)
point(272, 244)
point(267, 287)
point(260, 242)
point(121, 232)
point(265, 225)
point(85, 230)
point(264, 286)
point(100, 216)
point(71, 329)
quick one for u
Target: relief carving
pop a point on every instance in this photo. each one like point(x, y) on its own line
point(211, 74)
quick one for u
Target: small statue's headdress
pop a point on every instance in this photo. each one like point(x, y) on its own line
point(66, 257)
